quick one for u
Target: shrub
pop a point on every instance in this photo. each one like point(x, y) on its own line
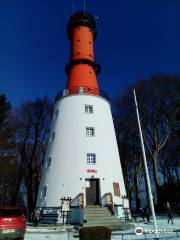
point(95, 233)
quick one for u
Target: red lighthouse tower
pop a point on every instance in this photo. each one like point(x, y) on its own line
point(82, 69)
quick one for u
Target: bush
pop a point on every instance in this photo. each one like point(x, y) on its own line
point(95, 233)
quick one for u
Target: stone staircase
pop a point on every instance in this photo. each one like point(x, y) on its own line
point(101, 216)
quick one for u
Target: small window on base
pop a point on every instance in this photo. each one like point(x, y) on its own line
point(91, 158)
point(88, 109)
point(90, 131)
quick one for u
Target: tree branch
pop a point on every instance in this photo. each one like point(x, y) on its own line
point(147, 144)
point(165, 137)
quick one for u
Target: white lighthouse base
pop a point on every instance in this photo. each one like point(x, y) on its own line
point(82, 157)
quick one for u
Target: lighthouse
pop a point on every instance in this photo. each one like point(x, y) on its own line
point(82, 160)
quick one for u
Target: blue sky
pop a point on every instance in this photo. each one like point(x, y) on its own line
point(135, 39)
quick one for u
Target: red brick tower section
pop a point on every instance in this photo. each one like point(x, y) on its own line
point(82, 69)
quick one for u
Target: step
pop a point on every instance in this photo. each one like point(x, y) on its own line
point(101, 217)
point(98, 210)
point(93, 206)
point(104, 222)
point(115, 226)
point(98, 214)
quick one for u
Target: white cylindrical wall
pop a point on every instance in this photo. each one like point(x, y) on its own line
point(68, 146)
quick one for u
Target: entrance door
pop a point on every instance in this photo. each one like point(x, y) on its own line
point(92, 192)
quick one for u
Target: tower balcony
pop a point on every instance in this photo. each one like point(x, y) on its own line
point(86, 90)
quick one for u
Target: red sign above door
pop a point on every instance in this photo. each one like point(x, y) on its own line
point(91, 170)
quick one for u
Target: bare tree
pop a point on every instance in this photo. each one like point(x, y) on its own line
point(127, 137)
point(33, 124)
point(156, 99)
point(8, 170)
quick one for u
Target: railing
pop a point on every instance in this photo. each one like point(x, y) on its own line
point(107, 199)
point(78, 201)
point(82, 90)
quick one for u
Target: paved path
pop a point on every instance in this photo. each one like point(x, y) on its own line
point(63, 233)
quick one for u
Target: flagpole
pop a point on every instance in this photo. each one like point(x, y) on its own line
point(146, 168)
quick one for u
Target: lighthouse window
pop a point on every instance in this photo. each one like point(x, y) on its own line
point(90, 131)
point(43, 192)
point(88, 109)
point(91, 158)
point(52, 137)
